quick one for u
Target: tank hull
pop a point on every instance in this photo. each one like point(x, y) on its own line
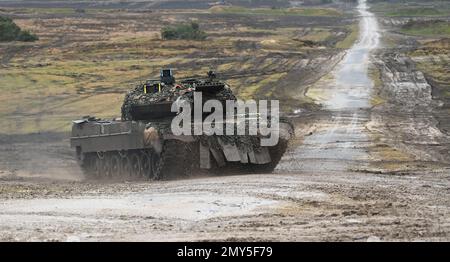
point(145, 149)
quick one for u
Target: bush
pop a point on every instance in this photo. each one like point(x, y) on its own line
point(183, 31)
point(9, 31)
point(26, 36)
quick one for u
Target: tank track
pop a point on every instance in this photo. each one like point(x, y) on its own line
point(176, 160)
point(276, 153)
point(172, 162)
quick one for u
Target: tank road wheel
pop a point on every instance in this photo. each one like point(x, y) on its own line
point(82, 160)
point(115, 163)
point(126, 166)
point(154, 165)
point(105, 166)
point(98, 167)
point(87, 164)
point(94, 164)
point(146, 159)
point(135, 165)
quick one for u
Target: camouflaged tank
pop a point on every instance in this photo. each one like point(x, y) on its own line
point(141, 144)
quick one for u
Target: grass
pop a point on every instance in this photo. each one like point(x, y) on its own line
point(393, 154)
point(433, 58)
point(250, 91)
point(412, 9)
point(351, 38)
point(47, 98)
point(439, 72)
point(317, 35)
point(417, 12)
point(276, 11)
point(387, 157)
point(375, 75)
point(433, 28)
point(63, 10)
point(83, 65)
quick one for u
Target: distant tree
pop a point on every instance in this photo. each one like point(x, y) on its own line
point(80, 10)
point(9, 31)
point(183, 31)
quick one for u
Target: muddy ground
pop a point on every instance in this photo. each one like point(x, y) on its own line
point(278, 207)
point(371, 165)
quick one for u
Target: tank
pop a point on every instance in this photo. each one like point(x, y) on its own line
point(141, 144)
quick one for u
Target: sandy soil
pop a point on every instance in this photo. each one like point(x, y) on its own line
point(336, 183)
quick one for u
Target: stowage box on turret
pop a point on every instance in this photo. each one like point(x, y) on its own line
point(142, 144)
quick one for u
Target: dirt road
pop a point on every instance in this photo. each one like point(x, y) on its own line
point(340, 141)
point(329, 186)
